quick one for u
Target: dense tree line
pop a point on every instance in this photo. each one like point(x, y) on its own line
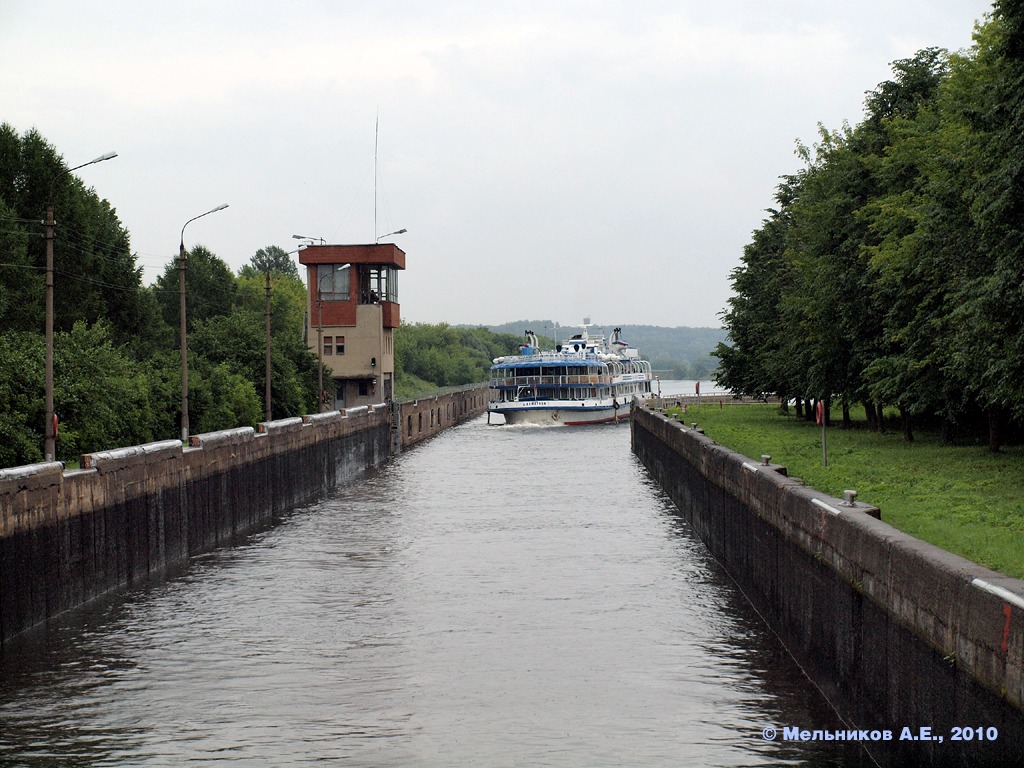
point(891, 271)
point(117, 378)
point(429, 356)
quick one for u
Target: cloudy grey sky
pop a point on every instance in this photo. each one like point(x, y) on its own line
point(550, 159)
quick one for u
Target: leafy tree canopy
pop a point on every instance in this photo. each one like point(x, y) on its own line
point(893, 269)
point(273, 259)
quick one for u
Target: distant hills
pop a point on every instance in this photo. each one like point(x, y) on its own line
point(675, 353)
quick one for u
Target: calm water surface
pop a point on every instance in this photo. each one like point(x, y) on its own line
point(497, 596)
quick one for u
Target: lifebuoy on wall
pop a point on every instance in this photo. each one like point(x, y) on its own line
point(819, 413)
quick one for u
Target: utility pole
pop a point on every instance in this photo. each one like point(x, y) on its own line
point(50, 449)
point(50, 428)
point(267, 398)
point(184, 341)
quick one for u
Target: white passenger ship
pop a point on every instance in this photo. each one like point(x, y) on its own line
point(585, 380)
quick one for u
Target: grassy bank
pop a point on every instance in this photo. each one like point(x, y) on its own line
point(961, 498)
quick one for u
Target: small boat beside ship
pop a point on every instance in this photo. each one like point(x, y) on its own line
point(584, 380)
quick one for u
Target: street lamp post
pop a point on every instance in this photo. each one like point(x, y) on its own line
point(50, 446)
point(184, 339)
point(389, 234)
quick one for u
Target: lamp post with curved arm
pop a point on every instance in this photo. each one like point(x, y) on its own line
point(184, 339)
point(50, 446)
point(389, 234)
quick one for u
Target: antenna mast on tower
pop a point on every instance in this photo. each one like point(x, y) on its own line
point(376, 130)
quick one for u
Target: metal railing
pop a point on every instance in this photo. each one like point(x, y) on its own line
point(549, 381)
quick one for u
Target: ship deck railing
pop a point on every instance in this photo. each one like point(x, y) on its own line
point(549, 381)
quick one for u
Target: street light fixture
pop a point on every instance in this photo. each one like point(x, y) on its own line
point(389, 234)
point(307, 237)
point(50, 446)
point(184, 340)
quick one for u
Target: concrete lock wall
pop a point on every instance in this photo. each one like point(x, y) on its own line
point(69, 536)
point(896, 632)
point(421, 419)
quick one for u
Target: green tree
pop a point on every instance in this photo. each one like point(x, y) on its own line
point(209, 288)
point(220, 398)
point(755, 359)
point(274, 259)
point(22, 284)
point(293, 366)
point(843, 290)
point(95, 272)
point(989, 342)
point(441, 356)
point(100, 395)
point(162, 370)
point(21, 398)
point(238, 342)
point(924, 239)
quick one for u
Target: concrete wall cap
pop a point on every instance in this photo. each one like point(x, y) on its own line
point(280, 425)
point(119, 456)
point(321, 418)
point(211, 439)
point(31, 470)
point(161, 445)
point(1003, 587)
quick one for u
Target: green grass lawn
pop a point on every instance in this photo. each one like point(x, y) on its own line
point(961, 498)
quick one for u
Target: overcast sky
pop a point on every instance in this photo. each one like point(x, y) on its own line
point(549, 159)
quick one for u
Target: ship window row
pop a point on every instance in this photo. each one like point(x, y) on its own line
point(555, 370)
point(566, 393)
point(633, 388)
point(499, 380)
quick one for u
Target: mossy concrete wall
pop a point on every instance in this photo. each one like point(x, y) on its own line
point(896, 632)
